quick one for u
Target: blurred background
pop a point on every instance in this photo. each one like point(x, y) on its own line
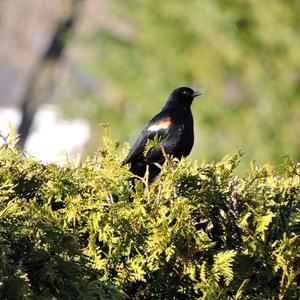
point(66, 66)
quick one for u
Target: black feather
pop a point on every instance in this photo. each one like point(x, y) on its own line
point(173, 127)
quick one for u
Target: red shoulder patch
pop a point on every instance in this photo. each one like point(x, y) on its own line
point(162, 124)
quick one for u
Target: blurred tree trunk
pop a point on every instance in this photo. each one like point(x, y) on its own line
point(42, 76)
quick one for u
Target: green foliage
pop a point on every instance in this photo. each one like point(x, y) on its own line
point(243, 54)
point(81, 231)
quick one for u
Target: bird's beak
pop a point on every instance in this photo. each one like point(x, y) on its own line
point(196, 94)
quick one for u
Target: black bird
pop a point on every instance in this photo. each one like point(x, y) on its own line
point(173, 127)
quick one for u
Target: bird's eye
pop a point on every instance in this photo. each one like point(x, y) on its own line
point(185, 92)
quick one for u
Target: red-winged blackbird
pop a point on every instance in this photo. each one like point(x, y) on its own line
point(173, 127)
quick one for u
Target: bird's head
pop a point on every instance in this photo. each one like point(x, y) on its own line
point(182, 97)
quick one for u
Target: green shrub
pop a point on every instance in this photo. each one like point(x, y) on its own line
point(81, 231)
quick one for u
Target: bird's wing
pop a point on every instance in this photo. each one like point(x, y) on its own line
point(158, 126)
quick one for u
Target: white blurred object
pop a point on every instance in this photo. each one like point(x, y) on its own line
point(51, 139)
point(8, 115)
